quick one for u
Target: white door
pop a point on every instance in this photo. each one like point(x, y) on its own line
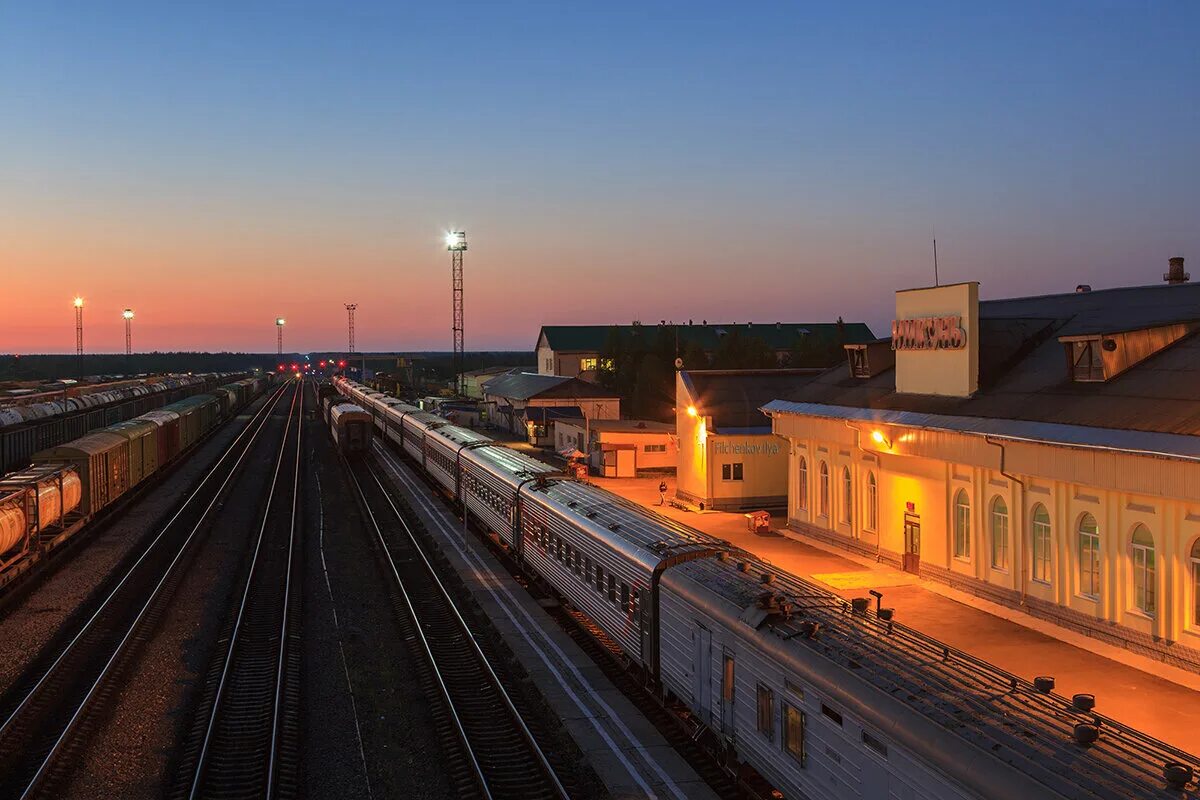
point(701, 660)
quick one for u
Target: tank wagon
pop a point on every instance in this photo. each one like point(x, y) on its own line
point(823, 697)
point(351, 428)
point(46, 503)
point(30, 427)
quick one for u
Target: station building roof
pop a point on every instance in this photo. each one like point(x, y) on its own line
point(733, 399)
point(529, 385)
point(1024, 373)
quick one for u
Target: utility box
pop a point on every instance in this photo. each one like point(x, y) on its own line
point(759, 522)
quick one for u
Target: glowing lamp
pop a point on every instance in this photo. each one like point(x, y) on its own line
point(879, 438)
point(127, 313)
point(691, 411)
point(456, 240)
point(280, 321)
point(79, 302)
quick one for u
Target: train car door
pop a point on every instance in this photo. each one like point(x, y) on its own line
point(646, 626)
point(701, 660)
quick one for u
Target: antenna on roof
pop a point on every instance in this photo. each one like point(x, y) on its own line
point(935, 264)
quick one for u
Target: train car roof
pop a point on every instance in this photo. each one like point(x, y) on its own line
point(132, 428)
point(624, 526)
point(159, 416)
point(1002, 715)
point(92, 444)
point(507, 462)
point(459, 436)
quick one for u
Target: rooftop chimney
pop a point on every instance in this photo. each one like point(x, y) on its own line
point(1176, 274)
point(1082, 288)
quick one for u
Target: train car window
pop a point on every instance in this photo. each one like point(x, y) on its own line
point(793, 732)
point(568, 558)
point(599, 578)
point(873, 743)
point(587, 570)
point(636, 611)
point(833, 715)
point(578, 563)
point(727, 685)
point(766, 712)
point(624, 596)
point(612, 588)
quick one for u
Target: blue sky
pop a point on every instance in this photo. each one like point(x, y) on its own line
point(771, 161)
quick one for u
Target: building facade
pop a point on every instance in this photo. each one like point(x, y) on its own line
point(1039, 452)
point(621, 448)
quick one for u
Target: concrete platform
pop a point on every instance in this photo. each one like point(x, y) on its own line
point(1153, 697)
point(626, 750)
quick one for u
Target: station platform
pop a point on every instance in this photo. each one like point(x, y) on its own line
point(1160, 700)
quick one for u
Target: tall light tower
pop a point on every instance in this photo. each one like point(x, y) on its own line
point(79, 326)
point(279, 322)
point(350, 313)
point(128, 315)
point(456, 243)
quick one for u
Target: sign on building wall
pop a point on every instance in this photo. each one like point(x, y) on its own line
point(929, 333)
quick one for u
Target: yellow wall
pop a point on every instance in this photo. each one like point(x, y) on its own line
point(941, 372)
point(928, 468)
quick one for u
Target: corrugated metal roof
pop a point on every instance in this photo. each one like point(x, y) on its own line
point(1167, 445)
point(733, 398)
point(527, 385)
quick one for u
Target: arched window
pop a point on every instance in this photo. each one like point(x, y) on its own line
point(847, 496)
point(962, 525)
point(823, 475)
point(802, 489)
point(872, 521)
point(999, 533)
point(1089, 556)
point(1143, 570)
point(1041, 544)
point(1196, 583)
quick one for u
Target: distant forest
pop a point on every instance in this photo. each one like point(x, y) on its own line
point(57, 365)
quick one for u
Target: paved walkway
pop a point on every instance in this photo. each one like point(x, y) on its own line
point(1128, 687)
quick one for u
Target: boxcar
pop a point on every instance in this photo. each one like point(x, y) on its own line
point(102, 461)
point(143, 447)
point(168, 433)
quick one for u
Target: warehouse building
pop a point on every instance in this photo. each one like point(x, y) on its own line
point(1041, 452)
point(577, 350)
point(729, 458)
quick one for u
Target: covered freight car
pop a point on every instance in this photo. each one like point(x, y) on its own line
point(102, 461)
point(143, 447)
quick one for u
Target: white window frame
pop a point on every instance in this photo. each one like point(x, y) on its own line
point(1092, 540)
point(1042, 556)
point(871, 518)
point(823, 480)
point(999, 538)
point(962, 525)
point(802, 488)
point(847, 497)
point(1143, 573)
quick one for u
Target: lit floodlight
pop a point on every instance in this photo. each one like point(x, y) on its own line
point(127, 313)
point(879, 438)
point(79, 302)
point(456, 240)
point(279, 321)
point(692, 411)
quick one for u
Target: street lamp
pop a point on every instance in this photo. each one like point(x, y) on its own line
point(128, 315)
point(279, 322)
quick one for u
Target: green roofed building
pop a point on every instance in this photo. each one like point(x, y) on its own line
point(577, 350)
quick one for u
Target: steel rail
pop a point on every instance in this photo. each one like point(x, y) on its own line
point(231, 651)
point(468, 636)
point(262, 415)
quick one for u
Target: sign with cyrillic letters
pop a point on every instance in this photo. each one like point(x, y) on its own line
point(929, 333)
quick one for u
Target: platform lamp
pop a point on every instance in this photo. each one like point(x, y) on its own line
point(279, 323)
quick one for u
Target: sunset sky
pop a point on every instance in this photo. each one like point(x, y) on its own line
point(216, 165)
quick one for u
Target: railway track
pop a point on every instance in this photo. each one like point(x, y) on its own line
point(493, 752)
point(49, 710)
point(245, 739)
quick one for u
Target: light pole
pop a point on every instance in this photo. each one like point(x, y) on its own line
point(456, 243)
point(128, 315)
point(279, 323)
point(79, 333)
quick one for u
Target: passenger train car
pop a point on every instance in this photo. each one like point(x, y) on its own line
point(351, 428)
point(69, 483)
point(824, 698)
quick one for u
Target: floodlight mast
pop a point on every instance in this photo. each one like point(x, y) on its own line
point(128, 315)
point(456, 243)
point(279, 323)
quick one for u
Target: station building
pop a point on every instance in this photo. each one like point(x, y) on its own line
point(729, 458)
point(529, 404)
point(1041, 452)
